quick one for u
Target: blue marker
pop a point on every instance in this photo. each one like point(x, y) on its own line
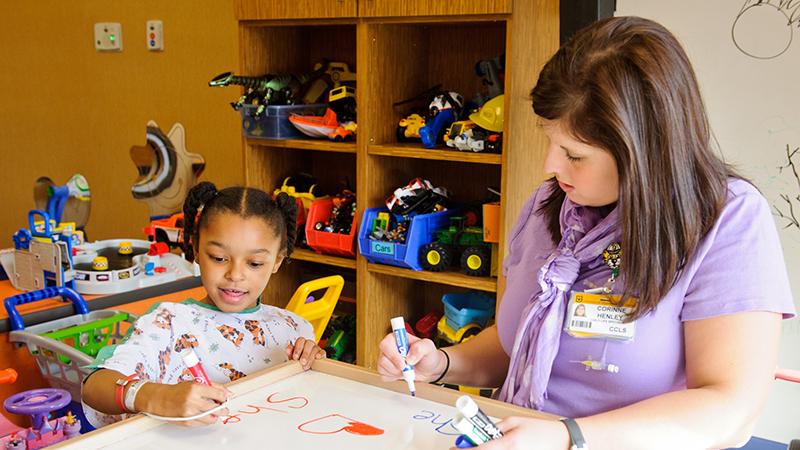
point(399, 330)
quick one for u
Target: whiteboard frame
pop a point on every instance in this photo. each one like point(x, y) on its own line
point(120, 431)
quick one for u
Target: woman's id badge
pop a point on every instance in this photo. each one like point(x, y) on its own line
point(598, 316)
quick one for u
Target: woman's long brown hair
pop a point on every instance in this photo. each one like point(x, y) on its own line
point(626, 85)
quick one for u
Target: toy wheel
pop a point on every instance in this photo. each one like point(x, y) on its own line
point(475, 261)
point(435, 257)
point(470, 333)
point(161, 236)
point(400, 133)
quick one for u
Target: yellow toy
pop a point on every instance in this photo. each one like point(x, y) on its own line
point(125, 248)
point(452, 336)
point(100, 263)
point(319, 311)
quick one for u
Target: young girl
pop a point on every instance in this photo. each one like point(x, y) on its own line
point(675, 258)
point(239, 237)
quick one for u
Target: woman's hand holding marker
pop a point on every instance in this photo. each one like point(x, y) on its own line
point(422, 354)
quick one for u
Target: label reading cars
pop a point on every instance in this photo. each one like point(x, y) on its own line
point(382, 248)
point(600, 316)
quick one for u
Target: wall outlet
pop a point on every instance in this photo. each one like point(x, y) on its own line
point(155, 35)
point(108, 37)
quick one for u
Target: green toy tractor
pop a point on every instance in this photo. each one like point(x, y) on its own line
point(458, 242)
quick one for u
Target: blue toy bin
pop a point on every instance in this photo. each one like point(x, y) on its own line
point(420, 232)
point(274, 123)
point(461, 309)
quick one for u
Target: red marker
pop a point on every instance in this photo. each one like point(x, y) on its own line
point(193, 363)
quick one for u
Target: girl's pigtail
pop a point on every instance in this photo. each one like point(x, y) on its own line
point(288, 207)
point(196, 200)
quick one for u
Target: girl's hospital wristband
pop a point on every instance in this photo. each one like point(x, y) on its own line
point(130, 394)
point(446, 367)
point(119, 394)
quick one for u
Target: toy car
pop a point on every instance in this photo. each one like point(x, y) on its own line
point(343, 101)
point(346, 131)
point(419, 196)
point(408, 128)
point(450, 336)
point(456, 129)
point(169, 230)
point(461, 243)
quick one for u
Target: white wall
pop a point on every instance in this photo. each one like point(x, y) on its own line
point(753, 102)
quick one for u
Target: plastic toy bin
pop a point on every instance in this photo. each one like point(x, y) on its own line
point(324, 242)
point(420, 232)
point(461, 309)
point(63, 347)
point(274, 122)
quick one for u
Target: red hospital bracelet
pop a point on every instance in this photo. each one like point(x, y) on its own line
point(119, 395)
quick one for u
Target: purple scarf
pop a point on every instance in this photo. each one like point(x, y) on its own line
point(539, 332)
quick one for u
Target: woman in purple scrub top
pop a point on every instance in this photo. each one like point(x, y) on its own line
point(645, 280)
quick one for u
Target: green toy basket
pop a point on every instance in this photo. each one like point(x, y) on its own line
point(64, 347)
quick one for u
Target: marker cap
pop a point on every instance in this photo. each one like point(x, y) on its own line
point(467, 406)
point(190, 358)
point(398, 323)
point(463, 442)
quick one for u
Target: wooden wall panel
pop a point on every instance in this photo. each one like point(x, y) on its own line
point(385, 8)
point(67, 108)
point(294, 9)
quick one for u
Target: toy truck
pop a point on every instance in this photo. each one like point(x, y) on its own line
point(458, 242)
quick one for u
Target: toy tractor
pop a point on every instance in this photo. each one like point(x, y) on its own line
point(458, 242)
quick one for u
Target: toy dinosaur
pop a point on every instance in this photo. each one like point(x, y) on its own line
point(277, 89)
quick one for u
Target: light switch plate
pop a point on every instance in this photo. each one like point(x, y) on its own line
point(108, 37)
point(155, 35)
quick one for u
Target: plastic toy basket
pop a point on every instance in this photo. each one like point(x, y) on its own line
point(274, 122)
point(325, 242)
point(63, 347)
point(461, 309)
point(420, 232)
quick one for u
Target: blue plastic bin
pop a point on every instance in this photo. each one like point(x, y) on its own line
point(461, 309)
point(274, 123)
point(420, 232)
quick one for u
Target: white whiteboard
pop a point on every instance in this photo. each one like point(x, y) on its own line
point(333, 406)
point(306, 410)
point(747, 57)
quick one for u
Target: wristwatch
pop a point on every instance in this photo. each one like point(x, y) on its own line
point(575, 435)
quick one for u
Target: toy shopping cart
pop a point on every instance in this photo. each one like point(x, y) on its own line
point(62, 348)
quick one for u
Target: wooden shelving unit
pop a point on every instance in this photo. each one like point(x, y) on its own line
point(458, 279)
point(415, 151)
point(302, 254)
point(305, 144)
point(398, 49)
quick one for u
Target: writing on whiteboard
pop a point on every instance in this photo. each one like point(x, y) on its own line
point(328, 424)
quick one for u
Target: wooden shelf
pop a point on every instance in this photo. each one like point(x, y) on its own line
point(320, 145)
point(289, 36)
point(487, 284)
point(302, 254)
point(415, 150)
